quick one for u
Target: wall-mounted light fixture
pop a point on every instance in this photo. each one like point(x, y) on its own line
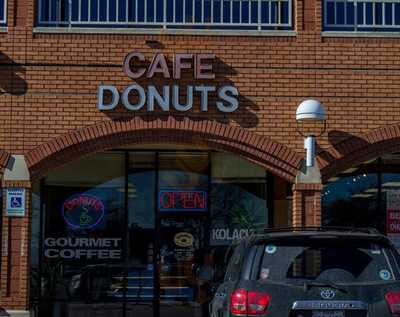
point(310, 110)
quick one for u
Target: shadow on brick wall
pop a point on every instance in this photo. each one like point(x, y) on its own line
point(337, 138)
point(245, 116)
point(11, 77)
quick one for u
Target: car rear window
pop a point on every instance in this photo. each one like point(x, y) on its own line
point(338, 260)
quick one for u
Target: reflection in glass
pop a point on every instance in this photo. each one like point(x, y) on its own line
point(83, 237)
point(141, 221)
point(351, 199)
point(131, 233)
point(183, 188)
point(238, 199)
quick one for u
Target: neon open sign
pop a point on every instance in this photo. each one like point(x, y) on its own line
point(182, 200)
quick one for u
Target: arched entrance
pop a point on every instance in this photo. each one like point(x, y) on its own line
point(275, 157)
point(142, 222)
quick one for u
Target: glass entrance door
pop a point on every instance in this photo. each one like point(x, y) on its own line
point(141, 278)
point(183, 187)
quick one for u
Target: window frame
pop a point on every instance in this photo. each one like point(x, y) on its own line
point(73, 21)
point(3, 19)
point(375, 26)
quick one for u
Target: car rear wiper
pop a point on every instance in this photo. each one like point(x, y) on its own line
point(323, 283)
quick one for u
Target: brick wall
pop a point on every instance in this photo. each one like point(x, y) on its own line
point(48, 85)
point(48, 82)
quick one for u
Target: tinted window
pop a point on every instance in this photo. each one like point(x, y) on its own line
point(199, 14)
point(337, 261)
point(233, 270)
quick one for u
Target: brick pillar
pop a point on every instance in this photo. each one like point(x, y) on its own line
point(15, 262)
point(307, 204)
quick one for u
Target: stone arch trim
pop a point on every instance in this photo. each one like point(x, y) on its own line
point(358, 149)
point(4, 158)
point(274, 156)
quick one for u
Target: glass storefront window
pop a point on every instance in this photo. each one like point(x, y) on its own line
point(145, 232)
point(351, 198)
point(238, 198)
point(363, 196)
point(83, 233)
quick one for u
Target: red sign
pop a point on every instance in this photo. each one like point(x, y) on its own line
point(182, 200)
point(393, 221)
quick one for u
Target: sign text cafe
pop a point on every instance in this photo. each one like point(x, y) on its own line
point(169, 97)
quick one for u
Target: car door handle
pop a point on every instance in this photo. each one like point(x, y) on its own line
point(220, 294)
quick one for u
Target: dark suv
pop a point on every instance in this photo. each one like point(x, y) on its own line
point(311, 272)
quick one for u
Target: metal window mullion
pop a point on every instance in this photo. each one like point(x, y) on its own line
point(69, 13)
point(98, 10)
point(89, 10)
point(193, 10)
point(355, 15)
point(364, 13)
point(49, 10)
point(394, 14)
point(240, 11)
point(164, 14)
point(155, 11)
point(203, 3)
point(383, 13)
point(259, 15)
point(231, 11)
point(80, 10)
point(126, 11)
point(290, 6)
point(345, 12)
point(279, 12)
point(58, 13)
point(184, 11)
point(108, 10)
point(174, 11)
point(212, 11)
point(335, 13)
point(221, 9)
point(117, 10)
point(270, 11)
point(373, 13)
point(145, 11)
point(325, 13)
point(39, 11)
point(250, 11)
point(136, 11)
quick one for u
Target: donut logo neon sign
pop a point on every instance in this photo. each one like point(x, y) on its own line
point(83, 211)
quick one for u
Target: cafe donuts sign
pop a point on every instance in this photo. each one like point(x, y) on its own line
point(169, 97)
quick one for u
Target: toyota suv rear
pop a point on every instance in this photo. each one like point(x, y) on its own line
point(314, 272)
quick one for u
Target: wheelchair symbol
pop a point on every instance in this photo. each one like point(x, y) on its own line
point(16, 202)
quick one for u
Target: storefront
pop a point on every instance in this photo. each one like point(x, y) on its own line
point(102, 224)
point(141, 139)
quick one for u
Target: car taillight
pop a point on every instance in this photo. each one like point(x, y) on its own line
point(393, 300)
point(249, 303)
point(239, 302)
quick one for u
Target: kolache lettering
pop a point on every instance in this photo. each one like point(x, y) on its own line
point(168, 97)
point(230, 234)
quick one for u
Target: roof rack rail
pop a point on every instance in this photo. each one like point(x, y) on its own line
point(316, 228)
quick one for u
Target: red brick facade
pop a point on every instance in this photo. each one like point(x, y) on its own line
point(48, 113)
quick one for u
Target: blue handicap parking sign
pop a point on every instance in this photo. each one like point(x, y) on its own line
point(15, 202)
